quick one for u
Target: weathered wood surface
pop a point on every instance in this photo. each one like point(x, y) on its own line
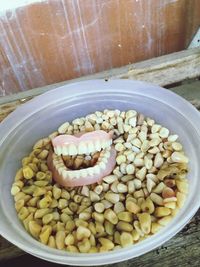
point(162, 71)
point(168, 70)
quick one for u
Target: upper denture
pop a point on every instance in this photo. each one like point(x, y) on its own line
point(84, 144)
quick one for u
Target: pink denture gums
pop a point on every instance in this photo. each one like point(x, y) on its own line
point(65, 139)
point(83, 143)
point(89, 179)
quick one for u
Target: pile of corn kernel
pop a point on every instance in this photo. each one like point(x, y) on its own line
point(144, 192)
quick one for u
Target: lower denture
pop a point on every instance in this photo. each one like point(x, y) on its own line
point(88, 179)
point(96, 168)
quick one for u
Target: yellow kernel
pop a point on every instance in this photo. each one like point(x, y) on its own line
point(82, 232)
point(132, 207)
point(181, 197)
point(23, 213)
point(145, 222)
point(126, 239)
point(60, 239)
point(135, 235)
point(39, 191)
point(47, 218)
point(72, 249)
point(148, 206)
point(155, 227)
point(43, 154)
point(69, 240)
point(182, 186)
point(99, 207)
point(19, 175)
point(14, 190)
point(27, 172)
point(40, 175)
point(106, 243)
point(56, 192)
point(84, 246)
point(45, 234)
point(99, 217)
point(70, 225)
point(45, 202)
point(52, 242)
point(111, 216)
point(41, 212)
point(124, 226)
point(170, 205)
point(34, 228)
point(19, 204)
point(165, 220)
point(162, 211)
point(125, 216)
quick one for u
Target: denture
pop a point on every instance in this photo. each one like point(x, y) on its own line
point(82, 144)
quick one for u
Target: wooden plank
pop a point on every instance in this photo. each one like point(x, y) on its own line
point(190, 91)
point(8, 250)
point(177, 67)
point(162, 71)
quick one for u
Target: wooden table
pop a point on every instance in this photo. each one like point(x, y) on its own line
point(180, 72)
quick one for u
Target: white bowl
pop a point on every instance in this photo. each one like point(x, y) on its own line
point(42, 115)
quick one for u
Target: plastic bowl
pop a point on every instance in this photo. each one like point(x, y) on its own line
point(42, 115)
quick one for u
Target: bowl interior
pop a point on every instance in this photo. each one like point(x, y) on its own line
point(43, 115)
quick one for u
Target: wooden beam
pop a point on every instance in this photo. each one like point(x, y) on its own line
point(162, 71)
point(167, 69)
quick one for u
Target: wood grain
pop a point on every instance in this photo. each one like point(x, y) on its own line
point(164, 70)
point(51, 41)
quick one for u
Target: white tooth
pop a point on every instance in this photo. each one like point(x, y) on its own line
point(54, 156)
point(76, 174)
point(55, 162)
point(64, 173)
point(91, 147)
point(90, 170)
point(88, 157)
point(102, 154)
point(83, 173)
point(59, 150)
point(72, 150)
point(102, 165)
point(107, 143)
point(55, 150)
point(82, 148)
point(96, 169)
point(65, 151)
point(103, 144)
point(70, 174)
point(98, 146)
point(59, 165)
point(60, 170)
point(107, 154)
point(105, 160)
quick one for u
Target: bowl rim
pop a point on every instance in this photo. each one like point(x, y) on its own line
point(85, 88)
